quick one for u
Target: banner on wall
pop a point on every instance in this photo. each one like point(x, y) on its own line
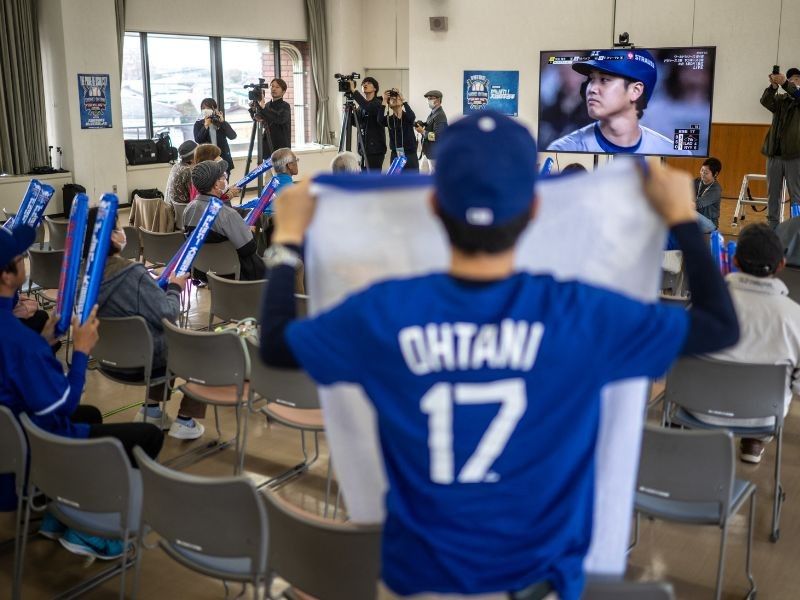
point(497, 90)
point(94, 100)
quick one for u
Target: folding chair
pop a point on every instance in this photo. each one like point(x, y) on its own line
point(45, 273)
point(179, 210)
point(97, 490)
point(133, 248)
point(184, 509)
point(126, 344)
point(291, 400)
point(690, 477)
point(159, 248)
point(735, 390)
point(627, 590)
point(221, 258)
point(57, 230)
point(13, 461)
point(233, 300)
point(326, 559)
point(215, 367)
point(791, 277)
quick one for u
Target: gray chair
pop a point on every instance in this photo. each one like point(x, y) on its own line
point(57, 230)
point(133, 249)
point(126, 344)
point(703, 386)
point(215, 367)
point(215, 526)
point(97, 490)
point(323, 558)
point(627, 590)
point(291, 399)
point(233, 300)
point(791, 277)
point(690, 477)
point(159, 248)
point(45, 273)
point(13, 461)
point(220, 258)
point(179, 210)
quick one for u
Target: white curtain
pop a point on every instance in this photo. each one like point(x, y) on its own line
point(318, 37)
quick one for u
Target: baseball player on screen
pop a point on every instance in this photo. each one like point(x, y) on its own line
point(486, 381)
point(618, 86)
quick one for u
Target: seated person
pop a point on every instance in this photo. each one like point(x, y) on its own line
point(210, 179)
point(180, 176)
point(709, 195)
point(33, 381)
point(573, 168)
point(285, 167)
point(769, 322)
point(210, 152)
point(346, 162)
point(127, 290)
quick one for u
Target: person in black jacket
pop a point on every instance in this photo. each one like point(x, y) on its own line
point(212, 128)
point(277, 118)
point(399, 120)
point(370, 107)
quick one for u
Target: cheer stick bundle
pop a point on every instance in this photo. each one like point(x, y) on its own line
point(547, 166)
point(34, 202)
point(397, 165)
point(181, 263)
point(722, 254)
point(264, 200)
point(70, 264)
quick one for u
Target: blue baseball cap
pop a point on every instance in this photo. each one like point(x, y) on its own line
point(14, 242)
point(638, 65)
point(485, 169)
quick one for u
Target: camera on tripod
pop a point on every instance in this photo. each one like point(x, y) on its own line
point(344, 81)
point(256, 92)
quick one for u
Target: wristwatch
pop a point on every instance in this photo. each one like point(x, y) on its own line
point(278, 254)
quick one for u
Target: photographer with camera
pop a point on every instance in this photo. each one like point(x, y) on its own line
point(399, 119)
point(370, 109)
point(212, 128)
point(276, 116)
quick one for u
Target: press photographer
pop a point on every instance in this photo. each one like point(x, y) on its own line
point(212, 128)
point(399, 120)
point(370, 109)
point(276, 115)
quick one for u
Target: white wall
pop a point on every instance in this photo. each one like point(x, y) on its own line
point(264, 19)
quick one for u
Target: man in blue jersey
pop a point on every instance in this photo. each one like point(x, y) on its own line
point(618, 86)
point(487, 385)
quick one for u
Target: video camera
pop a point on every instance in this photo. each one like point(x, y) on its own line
point(257, 89)
point(344, 81)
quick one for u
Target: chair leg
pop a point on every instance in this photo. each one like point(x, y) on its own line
point(125, 539)
point(721, 566)
point(137, 565)
point(239, 458)
point(636, 519)
point(328, 485)
point(778, 499)
point(216, 422)
point(16, 586)
point(23, 542)
point(748, 564)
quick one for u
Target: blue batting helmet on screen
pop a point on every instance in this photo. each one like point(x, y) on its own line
point(638, 65)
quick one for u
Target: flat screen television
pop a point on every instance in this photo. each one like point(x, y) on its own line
point(648, 101)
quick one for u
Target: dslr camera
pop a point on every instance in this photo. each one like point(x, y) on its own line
point(393, 93)
point(344, 81)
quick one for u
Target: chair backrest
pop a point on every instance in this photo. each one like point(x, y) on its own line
point(57, 228)
point(179, 210)
point(13, 447)
point(206, 358)
point(160, 247)
point(326, 559)
point(627, 590)
point(133, 248)
point(291, 387)
point(726, 389)
point(688, 466)
point(301, 304)
point(125, 343)
point(791, 277)
point(46, 267)
point(233, 300)
point(87, 474)
point(219, 258)
point(219, 517)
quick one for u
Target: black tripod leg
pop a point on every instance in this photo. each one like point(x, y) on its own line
point(249, 158)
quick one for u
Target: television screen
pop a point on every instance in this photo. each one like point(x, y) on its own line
point(638, 101)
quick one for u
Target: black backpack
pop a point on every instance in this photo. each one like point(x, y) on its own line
point(165, 151)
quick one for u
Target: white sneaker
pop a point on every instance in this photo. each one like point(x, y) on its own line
point(186, 432)
point(163, 418)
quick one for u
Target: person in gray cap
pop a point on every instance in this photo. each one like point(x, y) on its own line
point(210, 179)
point(180, 176)
point(431, 130)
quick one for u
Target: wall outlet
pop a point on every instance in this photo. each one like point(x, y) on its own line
point(114, 188)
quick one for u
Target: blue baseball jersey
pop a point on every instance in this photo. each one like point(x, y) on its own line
point(591, 139)
point(488, 401)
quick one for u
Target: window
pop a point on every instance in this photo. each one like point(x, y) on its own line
point(185, 69)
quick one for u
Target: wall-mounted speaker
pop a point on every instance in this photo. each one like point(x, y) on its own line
point(438, 23)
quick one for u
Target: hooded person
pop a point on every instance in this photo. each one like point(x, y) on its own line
point(210, 179)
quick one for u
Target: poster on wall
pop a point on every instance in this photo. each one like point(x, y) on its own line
point(94, 100)
point(496, 90)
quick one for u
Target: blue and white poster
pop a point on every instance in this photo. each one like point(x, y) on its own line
point(94, 101)
point(497, 90)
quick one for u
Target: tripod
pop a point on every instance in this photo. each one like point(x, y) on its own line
point(259, 129)
point(349, 113)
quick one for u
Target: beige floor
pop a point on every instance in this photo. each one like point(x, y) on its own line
point(685, 556)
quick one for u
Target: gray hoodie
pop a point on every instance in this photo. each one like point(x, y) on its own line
point(128, 289)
